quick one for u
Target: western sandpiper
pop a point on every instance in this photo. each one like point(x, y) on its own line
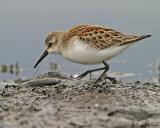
point(89, 44)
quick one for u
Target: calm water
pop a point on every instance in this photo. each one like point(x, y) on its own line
point(25, 24)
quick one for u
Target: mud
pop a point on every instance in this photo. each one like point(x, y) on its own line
point(56, 101)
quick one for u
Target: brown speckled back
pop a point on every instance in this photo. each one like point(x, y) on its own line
point(99, 37)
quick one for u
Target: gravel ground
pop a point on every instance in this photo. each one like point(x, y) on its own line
point(55, 101)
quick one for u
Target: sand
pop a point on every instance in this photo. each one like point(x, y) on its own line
point(56, 101)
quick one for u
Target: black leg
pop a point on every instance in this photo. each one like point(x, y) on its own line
point(106, 68)
point(87, 72)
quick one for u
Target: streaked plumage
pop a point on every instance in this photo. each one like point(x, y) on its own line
point(100, 37)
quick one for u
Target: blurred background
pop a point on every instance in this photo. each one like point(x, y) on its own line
point(25, 24)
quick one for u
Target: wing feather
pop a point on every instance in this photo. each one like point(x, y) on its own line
point(100, 37)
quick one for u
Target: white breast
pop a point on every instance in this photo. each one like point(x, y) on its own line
point(82, 53)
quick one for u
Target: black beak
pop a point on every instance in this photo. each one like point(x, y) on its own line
point(41, 58)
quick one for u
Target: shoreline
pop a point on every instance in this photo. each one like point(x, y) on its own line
point(53, 100)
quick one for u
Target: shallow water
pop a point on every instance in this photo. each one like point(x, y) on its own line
point(25, 24)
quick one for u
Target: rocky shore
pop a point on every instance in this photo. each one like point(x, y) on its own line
point(56, 101)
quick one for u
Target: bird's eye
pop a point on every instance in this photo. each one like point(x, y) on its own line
point(49, 45)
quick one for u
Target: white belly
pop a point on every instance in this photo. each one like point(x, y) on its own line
point(82, 53)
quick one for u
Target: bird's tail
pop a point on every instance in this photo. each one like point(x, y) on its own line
point(133, 38)
point(143, 37)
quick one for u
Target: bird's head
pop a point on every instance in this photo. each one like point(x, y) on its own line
point(51, 45)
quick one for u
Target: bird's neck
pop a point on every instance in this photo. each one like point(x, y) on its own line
point(61, 42)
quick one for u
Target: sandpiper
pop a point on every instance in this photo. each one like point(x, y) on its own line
point(89, 44)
